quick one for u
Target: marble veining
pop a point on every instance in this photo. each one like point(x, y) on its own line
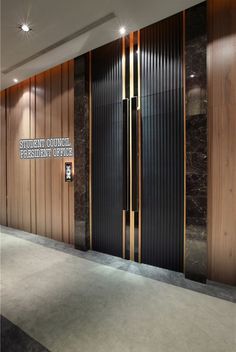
point(196, 144)
point(81, 137)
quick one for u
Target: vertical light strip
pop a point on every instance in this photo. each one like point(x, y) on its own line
point(139, 84)
point(6, 92)
point(139, 158)
point(131, 175)
point(184, 117)
point(123, 97)
point(123, 69)
point(90, 149)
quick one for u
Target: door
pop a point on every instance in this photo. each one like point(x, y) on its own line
point(162, 144)
point(107, 148)
point(138, 146)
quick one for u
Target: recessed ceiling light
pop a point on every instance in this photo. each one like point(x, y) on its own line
point(15, 80)
point(192, 75)
point(122, 30)
point(24, 27)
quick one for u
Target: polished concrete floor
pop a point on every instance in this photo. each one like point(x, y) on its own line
point(66, 302)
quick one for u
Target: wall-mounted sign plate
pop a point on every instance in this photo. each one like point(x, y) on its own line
point(68, 172)
point(58, 147)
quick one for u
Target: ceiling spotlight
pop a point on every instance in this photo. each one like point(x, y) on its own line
point(24, 27)
point(122, 30)
point(15, 80)
point(192, 75)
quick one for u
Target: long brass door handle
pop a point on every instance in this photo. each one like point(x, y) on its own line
point(134, 117)
point(126, 155)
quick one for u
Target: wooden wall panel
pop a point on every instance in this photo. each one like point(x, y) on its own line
point(33, 218)
point(12, 160)
point(56, 163)
point(24, 166)
point(39, 200)
point(222, 141)
point(48, 163)
point(3, 179)
point(40, 163)
point(65, 132)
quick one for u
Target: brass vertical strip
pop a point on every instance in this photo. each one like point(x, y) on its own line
point(139, 158)
point(184, 117)
point(132, 224)
point(123, 69)
point(90, 148)
point(123, 96)
point(123, 232)
point(6, 93)
point(139, 83)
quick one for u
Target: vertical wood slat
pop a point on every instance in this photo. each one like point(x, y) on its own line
point(56, 163)
point(3, 160)
point(25, 166)
point(39, 200)
point(12, 136)
point(48, 162)
point(32, 162)
point(65, 133)
point(221, 58)
point(40, 163)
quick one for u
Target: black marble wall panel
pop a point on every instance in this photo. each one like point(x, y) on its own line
point(196, 144)
point(81, 150)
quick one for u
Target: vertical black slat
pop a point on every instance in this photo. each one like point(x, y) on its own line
point(128, 159)
point(107, 149)
point(134, 117)
point(162, 144)
point(171, 149)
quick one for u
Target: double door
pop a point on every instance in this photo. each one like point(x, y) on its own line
point(138, 146)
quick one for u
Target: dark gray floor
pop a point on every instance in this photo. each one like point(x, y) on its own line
point(210, 288)
point(13, 339)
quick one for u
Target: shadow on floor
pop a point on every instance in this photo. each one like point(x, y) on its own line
point(13, 339)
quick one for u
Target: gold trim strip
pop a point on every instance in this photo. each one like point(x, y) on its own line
point(123, 232)
point(123, 96)
point(132, 219)
point(90, 149)
point(184, 109)
point(123, 69)
point(139, 159)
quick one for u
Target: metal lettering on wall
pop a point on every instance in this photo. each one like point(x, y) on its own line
point(45, 148)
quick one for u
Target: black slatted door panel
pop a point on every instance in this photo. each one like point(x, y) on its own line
point(162, 144)
point(107, 146)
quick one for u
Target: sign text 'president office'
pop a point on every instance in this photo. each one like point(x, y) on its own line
point(45, 148)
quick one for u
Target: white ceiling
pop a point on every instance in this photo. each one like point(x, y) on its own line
point(54, 20)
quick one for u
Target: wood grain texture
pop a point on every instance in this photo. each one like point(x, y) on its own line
point(40, 163)
point(39, 200)
point(57, 175)
point(3, 150)
point(222, 142)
